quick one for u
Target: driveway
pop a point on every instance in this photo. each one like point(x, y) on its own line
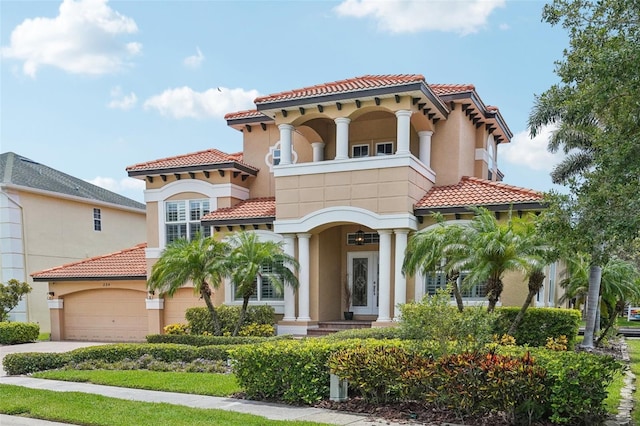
point(63, 346)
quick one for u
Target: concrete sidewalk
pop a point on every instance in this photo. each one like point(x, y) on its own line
point(270, 411)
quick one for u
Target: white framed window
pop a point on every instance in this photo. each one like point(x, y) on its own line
point(358, 151)
point(97, 220)
point(384, 148)
point(437, 280)
point(274, 156)
point(263, 288)
point(182, 219)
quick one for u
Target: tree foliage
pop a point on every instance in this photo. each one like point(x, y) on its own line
point(10, 295)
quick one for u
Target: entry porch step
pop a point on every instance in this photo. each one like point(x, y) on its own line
point(329, 327)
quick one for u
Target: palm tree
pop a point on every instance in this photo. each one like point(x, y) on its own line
point(619, 285)
point(200, 261)
point(492, 248)
point(430, 250)
point(251, 259)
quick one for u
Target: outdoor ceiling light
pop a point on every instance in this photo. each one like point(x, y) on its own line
point(359, 237)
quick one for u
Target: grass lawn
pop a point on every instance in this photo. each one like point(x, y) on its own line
point(44, 336)
point(634, 354)
point(196, 383)
point(79, 408)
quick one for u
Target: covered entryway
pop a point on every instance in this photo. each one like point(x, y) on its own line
point(105, 315)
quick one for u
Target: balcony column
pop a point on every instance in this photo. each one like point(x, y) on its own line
point(318, 151)
point(425, 147)
point(400, 289)
point(342, 137)
point(403, 126)
point(384, 272)
point(289, 292)
point(303, 277)
point(286, 136)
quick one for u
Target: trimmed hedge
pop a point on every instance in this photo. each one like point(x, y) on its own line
point(195, 340)
point(380, 333)
point(14, 333)
point(29, 362)
point(200, 319)
point(540, 323)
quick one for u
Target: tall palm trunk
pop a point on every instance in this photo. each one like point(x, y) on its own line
point(595, 275)
point(494, 290)
point(243, 314)
point(452, 278)
point(536, 278)
point(205, 292)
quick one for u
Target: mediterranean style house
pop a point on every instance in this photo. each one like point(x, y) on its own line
point(47, 218)
point(341, 173)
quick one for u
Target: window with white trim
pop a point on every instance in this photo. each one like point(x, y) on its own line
point(384, 148)
point(358, 151)
point(263, 288)
point(437, 280)
point(97, 220)
point(182, 219)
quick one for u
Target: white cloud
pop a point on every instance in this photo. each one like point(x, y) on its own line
point(531, 153)
point(121, 101)
point(184, 102)
point(82, 39)
point(127, 187)
point(410, 16)
point(194, 61)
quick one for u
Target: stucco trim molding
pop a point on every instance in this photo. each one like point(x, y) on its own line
point(345, 214)
point(482, 154)
point(154, 304)
point(199, 186)
point(55, 303)
point(355, 164)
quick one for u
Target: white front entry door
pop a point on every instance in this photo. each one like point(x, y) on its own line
point(363, 279)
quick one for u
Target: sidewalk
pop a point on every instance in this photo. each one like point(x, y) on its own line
point(270, 411)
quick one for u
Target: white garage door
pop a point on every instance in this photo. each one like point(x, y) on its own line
point(105, 315)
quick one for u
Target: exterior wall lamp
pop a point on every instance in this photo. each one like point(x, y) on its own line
point(359, 237)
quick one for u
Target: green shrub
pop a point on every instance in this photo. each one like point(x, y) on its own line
point(434, 318)
point(178, 329)
point(200, 319)
point(260, 330)
point(374, 369)
point(30, 362)
point(380, 333)
point(13, 333)
point(539, 324)
point(195, 340)
point(293, 371)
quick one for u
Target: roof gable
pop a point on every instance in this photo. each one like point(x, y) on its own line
point(124, 264)
point(21, 171)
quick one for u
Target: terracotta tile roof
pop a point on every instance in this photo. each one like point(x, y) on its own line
point(343, 86)
point(127, 263)
point(251, 113)
point(254, 208)
point(450, 89)
point(472, 191)
point(200, 158)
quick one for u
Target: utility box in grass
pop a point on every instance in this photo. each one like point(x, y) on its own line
point(338, 389)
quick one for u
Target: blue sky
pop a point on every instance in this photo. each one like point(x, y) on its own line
point(91, 87)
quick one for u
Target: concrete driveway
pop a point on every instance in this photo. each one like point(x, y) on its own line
point(63, 346)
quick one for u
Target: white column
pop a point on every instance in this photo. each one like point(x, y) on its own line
point(403, 126)
point(303, 277)
point(342, 138)
point(400, 289)
point(425, 147)
point(318, 151)
point(384, 273)
point(286, 136)
point(289, 292)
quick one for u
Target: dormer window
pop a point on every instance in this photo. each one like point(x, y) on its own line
point(384, 148)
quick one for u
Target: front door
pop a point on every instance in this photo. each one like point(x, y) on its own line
point(363, 279)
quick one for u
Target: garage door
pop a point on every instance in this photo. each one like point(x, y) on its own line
point(105, 315)
point(176, 306)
